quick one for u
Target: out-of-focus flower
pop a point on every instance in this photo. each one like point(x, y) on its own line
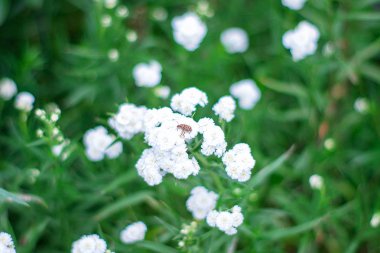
point(131, 36)
point(122, 11)
point(133, 233)
point(375, 220)
point(160, 14)
point(8, 88)
point(204, 9)
point(361, 105)
point(24, 101)
point(329, 144)
point(189, 30)
point(147, 74)
point(225, 108)
point(235, 40)
point(110, 4)
point(201, 202)
point(162, 92)
point(316, 182)
point(293, 4)
point(106, 21)
point(247, 92)
point(113, 55)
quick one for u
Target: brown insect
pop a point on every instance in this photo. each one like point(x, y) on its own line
point(185, 129)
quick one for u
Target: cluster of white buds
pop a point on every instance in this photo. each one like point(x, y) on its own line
point(201, 202)
point(133, 233)
point(89, 244)
point(226, 221)
point(6, 243)
point(239, 162)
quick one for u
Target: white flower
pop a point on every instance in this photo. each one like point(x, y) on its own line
point(128, 121)
point(375, 220)
point(58, 149)
point(162, 92)
point(302, 41)
point(187, 100)
point(8, 88)
point(293, 4)
point(147, 167)
point(247, 92)
point(201, 202)
point(6, 243)
point(189, 30)
point(361, 105)
point(225, 108)
point(316, 182)
point(113, 55)
point(106, 21)
point(133, 233)
point(234, 40)
point(239, 162)
point(24, 101)
point(110, 4)
point(226, 221)
point(131, 36)
point(213, 138)
point(147, 74)
point(89, 244)
point(99, 143)
point(122, 11)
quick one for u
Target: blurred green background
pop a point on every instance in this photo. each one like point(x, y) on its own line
point(58, 51)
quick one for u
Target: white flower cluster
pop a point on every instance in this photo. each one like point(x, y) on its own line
point(147, 74)
point(226, 221)
point(6, 243)
point(128, 121)
point(235, 40)
point(239, 162)
point(89, 244)
point(133, 233)
point(8, 88)
point(187, 100)
point(201, 202)
point(99, 144)
point(293, 4)
point(214, 141)
point(225, 108)
point(189, 30)
point(247, 92)
point(24, 101)
point(302, 41)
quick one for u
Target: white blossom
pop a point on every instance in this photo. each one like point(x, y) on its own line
point(225, 108)
point(247, 92)
point(147, 74)
point(162, 92)
point(133, 233)
point(239, 162)
point(106, 21)
point(316, 182)
point(302, 41)
point(361, 105)
point(189, 30)
point(293, 4)
point(8, 88)
point(110, 4)
point(100, 144)
point(375, 220)
point(186, 101)
point(131, 36)
point(235, 40)
point(113, 55)
point(89, 244)
point(213, 138)
point(122, 11)
point(226, 221)
point(24, 101)
point(6, 243)
point(201, 202)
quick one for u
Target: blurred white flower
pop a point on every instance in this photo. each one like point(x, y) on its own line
point(293, 4)
point(89, 244)
point(186, 101)
point(113, 55)
point(189, 30)
point(122, 11)
point(226, 221)
point(106, 21)
point(201, 202)
point(162, 92)
point(239, 162)
point(24, 101)
point(110, 4)
point(131, 36)
point(6, 243)
point(58, 149)
point(316, 182)
point(235, 40)
point(204, 9)
point(375, 220)
point(147, 74)
point(247, 92)
point(329, 144)
point(99, 143)
point(8, 88)
point(133, 233)
point(302, 41)
point(213, 138)
point(225, 108)
point(361, 105)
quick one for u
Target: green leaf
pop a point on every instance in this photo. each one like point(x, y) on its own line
point(9, 197)
point(370, 71)
point(4, 7)
point(364, 16)
point(283, 87)
point(366, 53)
point(124, 179)
point(156, 247)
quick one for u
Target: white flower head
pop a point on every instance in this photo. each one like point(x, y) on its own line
point(302, 41)
point(239, 162)
point(201, 202)
point(113, 55)
point(8, 88)
point(225, 108)
point(133, 233)
point(6, 243)
point(375, 220)
point(226, 221)
point(247, 92)
point(110, 4)
point(316, 182)
point(106, 21)
point(361, 105)
point(147, 74)
point(186, 101)
point(162, 92)
point(214, 142)
point(189, 30)
point(89, 244)
point(24, 101)
point(293, 4)
point(235, 40)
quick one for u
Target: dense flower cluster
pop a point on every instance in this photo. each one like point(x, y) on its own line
point(201, 202)
point(99, 144)
point(89, 244)
point(239, 162)
point(235, 40)
point(225, 108)
point(213, 138)
point(133, 233)
point(147, 74)
point(247, 92)
point(302, 41)
point(8, 88)
point(6, 243)
point(189, 30)
point(293, 4)
point(24, 101)
point(226, 221)
point(187, 100)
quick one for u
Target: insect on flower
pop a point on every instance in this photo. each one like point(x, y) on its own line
point(185, 129)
